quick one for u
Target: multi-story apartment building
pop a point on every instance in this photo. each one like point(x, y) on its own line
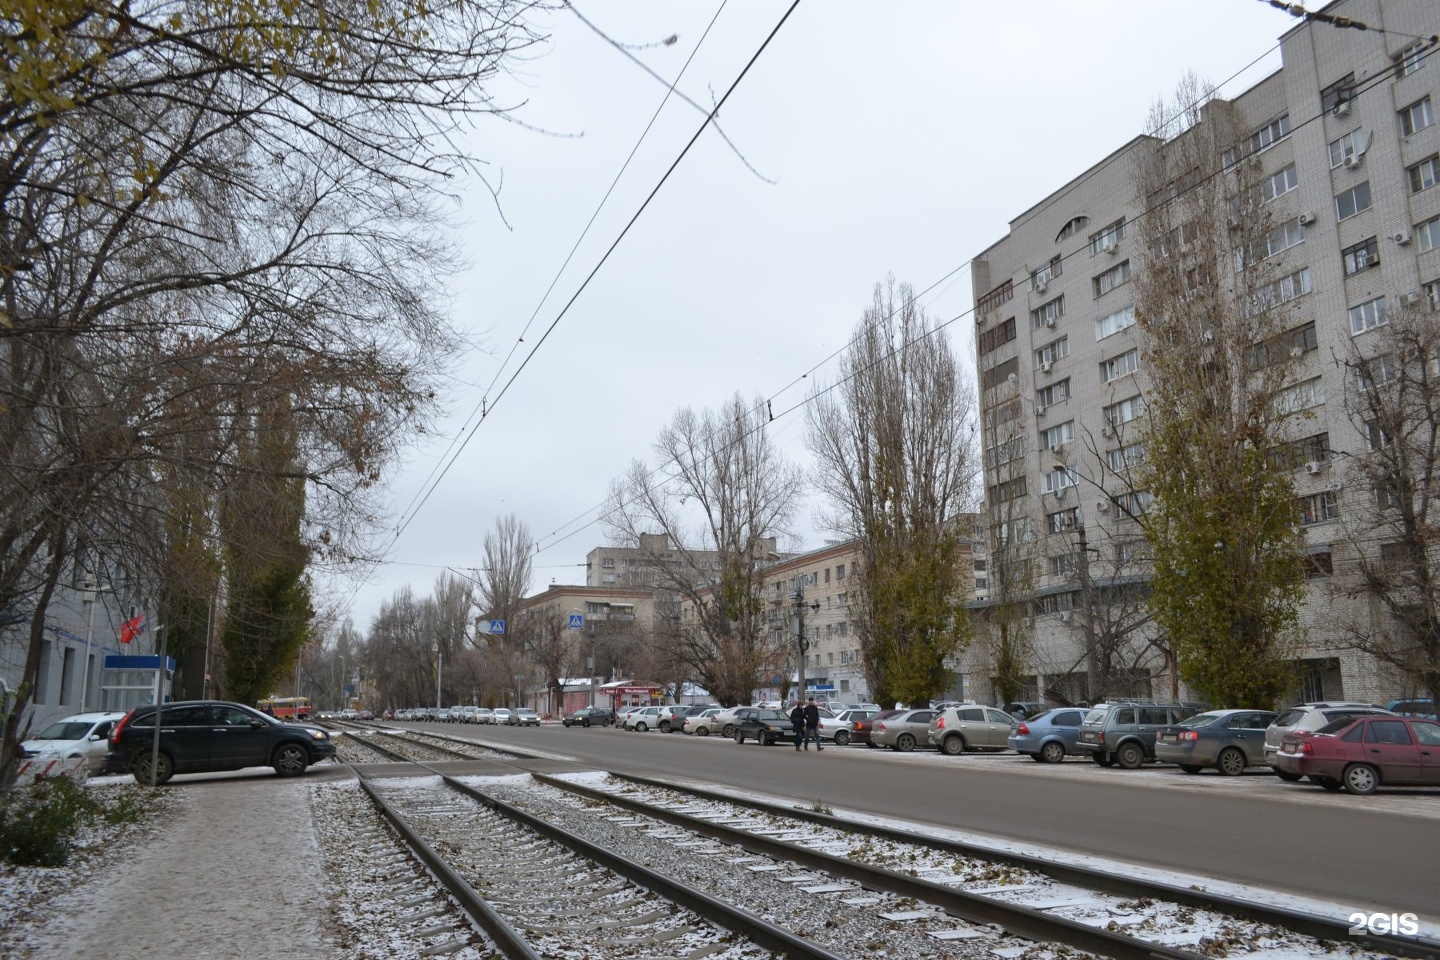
point(652, 561)
point(1346, 143)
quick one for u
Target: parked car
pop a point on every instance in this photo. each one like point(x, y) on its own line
point(500, 715)
point(865, 729)
point(1413, 708)
point(1228, 740)
point(1310, 716)
point(904, 731)
point(1362, 753)
point(699, 723)
point(523, 717)
point(203, 735)
point(725, 720)
point(1123, 732)
point(589, 717)
point(1048, 737)
point(841, 727)
point(83, 735)
point(765, 727)
point(957, 729)
point(642, 719)
point(484, 715)
point(1022, 709)
point(671, 718)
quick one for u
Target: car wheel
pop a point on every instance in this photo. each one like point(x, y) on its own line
point(739, 736)
point(1326, 783)
point(702, 731)
point(1190, 767)
point(664, 726)
point(1130, 756)
point(1360, 779)
point(905, 743)
point(842, 737)
point(764, 741)
point(1052, 752)
point(728, 730)
point(290, 760)
point(872, 744)
point(640, 727)
point(140, 767)
point(1287, 776)
point(953, 745)
point(1231, 762)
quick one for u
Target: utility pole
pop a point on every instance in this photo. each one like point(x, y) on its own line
point(801, 641)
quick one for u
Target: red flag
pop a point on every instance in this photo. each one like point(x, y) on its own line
point(132, 628)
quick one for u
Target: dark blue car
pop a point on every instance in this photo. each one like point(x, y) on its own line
point(1048, 737)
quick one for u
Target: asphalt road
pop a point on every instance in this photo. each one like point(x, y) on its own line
point(1376, 853)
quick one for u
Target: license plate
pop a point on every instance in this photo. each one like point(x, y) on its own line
point(1168, 736)
point(1088, 737)
point(1288, 748)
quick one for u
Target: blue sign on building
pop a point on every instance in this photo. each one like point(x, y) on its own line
point(577, 621)
point(497, 627)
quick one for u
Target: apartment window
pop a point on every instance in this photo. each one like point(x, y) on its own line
point(1199, 277)
point(1062, 520)
point(1432, 294)
point(842, 628)
point(1261, 140)
point(1127, 551)
point(1317, 563)
point(1367, 315)
point(1353, 201)
point(1427, 235)
point(997, 335)
point(1424, 174)
point(1000, 373)
point(1009, 490)
point(1292, 343)
point(1341, 91)
point(1107, 238)
point(1281, 291)
point(1317, 508)
point(1056, 437)
point(1116, 276)
point(607, 578)
point(1121, 366)
point(840, 575)
point(993, 299)
point(1177, 239)
point(1300, 396)
point(1053, 394)
point(608, 562)
point(1060, 479)
point(1362, 256)
point(1062, 565)
point(1376, 372)
point(1409, 60)
point(1001, 453)
point(1013, 531)
point(1055, 350)
point(1353, 144)
point(1416, 117)
point(1279, 184)
point(1123, 458)
point(1048, 314)
point(1114, 323)
point(1072, 227)
point(1124, 411)
point(1132, 504)
point(1046, 273)
point(827, 580)
point(1289, 234)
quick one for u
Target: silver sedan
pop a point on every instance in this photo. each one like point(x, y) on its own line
point(904, 731)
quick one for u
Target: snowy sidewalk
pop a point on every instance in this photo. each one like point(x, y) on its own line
point(236, 876)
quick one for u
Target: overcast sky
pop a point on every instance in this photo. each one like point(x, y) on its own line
point(896, 138)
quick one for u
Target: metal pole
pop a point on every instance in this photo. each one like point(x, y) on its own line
point(800, 638)
point(439, 671)
point(159, 706)
point(209, 633)
point(89, 634)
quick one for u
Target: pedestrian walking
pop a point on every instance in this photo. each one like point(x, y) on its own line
point(797, 720)
point(812, 724)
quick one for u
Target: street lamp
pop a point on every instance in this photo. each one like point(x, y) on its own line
point(91, 600)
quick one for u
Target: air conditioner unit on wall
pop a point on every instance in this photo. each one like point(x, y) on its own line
point(1313, 466)
point(1352, 162)
point(1410, 299)
point(1402, 238)
point(1306, 219)
point(1045, 366)
point(1039, 287)
point(1105, 431)
point(1111, 247)
point(1103, 506)
point(1341, 109)
point(1049, 321)
point(1064, 616)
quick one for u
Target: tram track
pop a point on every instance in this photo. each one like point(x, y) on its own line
point(914, 892)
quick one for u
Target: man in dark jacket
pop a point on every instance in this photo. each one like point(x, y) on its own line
point(812, 725)
point(797, 720)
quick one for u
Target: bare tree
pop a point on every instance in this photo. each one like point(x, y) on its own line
point(1393, 401)
point(895, 445)
point(1212, 304)
point(208, 208)
point(505, 577)
point(710, 514)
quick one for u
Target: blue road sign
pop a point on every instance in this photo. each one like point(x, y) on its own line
point(577, 621)
point(497, 627)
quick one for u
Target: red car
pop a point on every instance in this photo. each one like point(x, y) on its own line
point(1362, 753)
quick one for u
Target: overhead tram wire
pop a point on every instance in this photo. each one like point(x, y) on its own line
point(772, 415)
point(405, 523)
point(670, 89)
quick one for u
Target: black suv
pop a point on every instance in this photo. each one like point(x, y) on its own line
point(198, 736)
point(1122, 732)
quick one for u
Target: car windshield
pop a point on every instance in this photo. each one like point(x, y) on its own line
point(771, 715)
point(1200, 720)
point(64, 730)
point(1335, 726)
point(1095, 717)
point(1289, 718)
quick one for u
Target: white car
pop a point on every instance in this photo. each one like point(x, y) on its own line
point(500, 715)
point(83, 735)
point(642, 719)
point(701, 723)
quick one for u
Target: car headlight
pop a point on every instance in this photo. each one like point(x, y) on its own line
point(319, 734)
